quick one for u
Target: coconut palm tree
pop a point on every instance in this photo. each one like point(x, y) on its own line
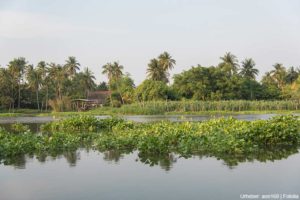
point(16, 68)
point(279, 74)
point(43, 71)
point(166, 61)
point(7, 87)
point(72, 66)
point(229, 63)
point(108, 71)
point(88, 80)
point(155, 71)
point(33, 77)
point(248, 71)
point(114, 72)
point(117, 71)
point(292, 75)
point(58, 74)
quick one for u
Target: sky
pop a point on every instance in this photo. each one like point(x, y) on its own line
point(134, 31)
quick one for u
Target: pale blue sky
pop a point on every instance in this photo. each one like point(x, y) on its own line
point(134, 31)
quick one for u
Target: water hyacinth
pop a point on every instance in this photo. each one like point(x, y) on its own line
point(223, 138)
point(217, 135)
point(81, 124)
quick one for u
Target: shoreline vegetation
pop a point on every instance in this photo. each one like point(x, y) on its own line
point(228, 139)
point(229, 86)
point(231, 107)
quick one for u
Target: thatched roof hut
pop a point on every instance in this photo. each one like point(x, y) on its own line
point(99, 97)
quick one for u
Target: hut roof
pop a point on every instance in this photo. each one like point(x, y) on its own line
point(99, 96)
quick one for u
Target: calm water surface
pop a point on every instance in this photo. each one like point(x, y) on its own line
point(87, 175)
point(93, 175)
point(138, 118)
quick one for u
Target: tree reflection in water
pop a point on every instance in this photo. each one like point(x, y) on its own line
point(165, 161)
point(112, 156)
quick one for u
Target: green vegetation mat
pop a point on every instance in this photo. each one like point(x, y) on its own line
point(229, 139)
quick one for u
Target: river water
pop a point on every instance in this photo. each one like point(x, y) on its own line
point(93, 175)
point(88, 175)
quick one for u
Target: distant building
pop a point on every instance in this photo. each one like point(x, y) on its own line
point(95, 99)
point(99, 97)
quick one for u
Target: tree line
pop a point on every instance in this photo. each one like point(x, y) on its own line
point(23, 85)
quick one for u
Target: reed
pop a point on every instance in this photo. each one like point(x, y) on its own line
point(162, 107)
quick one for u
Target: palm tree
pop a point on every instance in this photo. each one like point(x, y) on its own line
point(248, 70)
point(166, 61)
point(114, 72)
point(292, 75)
point(43, 71)
point(155, 71)
point(279, 74)
point(58, 74)
point(33, 77)
point(229, 63)
point(108, 71)
point(88, 80)
point(117, 71)
point(72, 66)
point(7, 80)
point(16, 68)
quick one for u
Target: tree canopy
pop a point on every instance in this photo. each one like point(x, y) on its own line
point(23, 85)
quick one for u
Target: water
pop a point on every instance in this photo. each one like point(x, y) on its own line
point(181, 118)
point(113, 175)
point(93, 175)
point(33, 123)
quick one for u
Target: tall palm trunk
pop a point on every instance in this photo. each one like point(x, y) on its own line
point(13, 97)
point(19, 96)
point(120, 93)
point(47, 93)
point(110, 96)
point(37, 99)
point(251, 89)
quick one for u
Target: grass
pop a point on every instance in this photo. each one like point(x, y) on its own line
point(161, 107)
point(180, 107)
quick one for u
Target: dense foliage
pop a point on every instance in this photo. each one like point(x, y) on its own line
point(23, 85)
point(222, 138)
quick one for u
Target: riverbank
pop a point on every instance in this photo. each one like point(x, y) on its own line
point(114, 112)
point(230, 107)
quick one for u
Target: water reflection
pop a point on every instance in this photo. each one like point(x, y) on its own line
point(19, 162)
point(164, 161)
